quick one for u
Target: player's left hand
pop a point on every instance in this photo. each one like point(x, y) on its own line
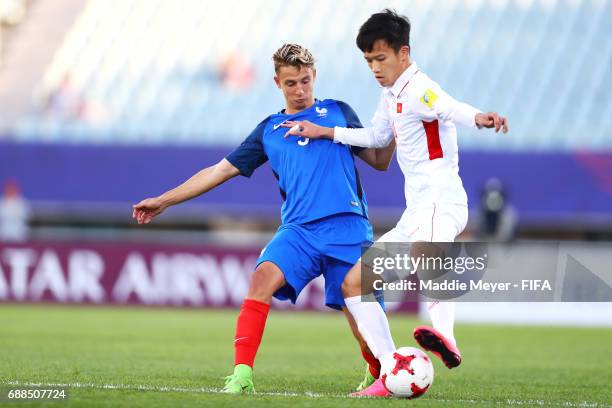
point(305, 128)
point(492, 120)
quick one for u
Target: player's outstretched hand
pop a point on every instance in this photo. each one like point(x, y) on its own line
point(147, 209)
point(307, 129)
point(492, 120)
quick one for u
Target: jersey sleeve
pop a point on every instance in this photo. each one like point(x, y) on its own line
point(379, 135)
point(435, 103)
point(352, 122)
point(250, 154)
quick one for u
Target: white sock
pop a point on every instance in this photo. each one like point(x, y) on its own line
point(372, 324)
point(442, 315)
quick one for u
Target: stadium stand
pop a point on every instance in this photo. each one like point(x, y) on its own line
point(155, 72)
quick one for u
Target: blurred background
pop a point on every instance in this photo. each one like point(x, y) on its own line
point(106, 102)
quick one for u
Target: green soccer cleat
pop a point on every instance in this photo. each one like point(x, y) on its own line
point(368, 380)
point(241, 381)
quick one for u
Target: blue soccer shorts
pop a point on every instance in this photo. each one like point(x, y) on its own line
point(329, 247)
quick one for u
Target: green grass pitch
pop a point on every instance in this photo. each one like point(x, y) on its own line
point(133, 357)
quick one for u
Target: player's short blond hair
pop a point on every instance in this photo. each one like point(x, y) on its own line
point(292, 55)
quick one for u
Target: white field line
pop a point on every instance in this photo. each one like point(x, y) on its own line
point(204, 390)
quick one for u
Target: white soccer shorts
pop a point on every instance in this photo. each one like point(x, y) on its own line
point(435, 222)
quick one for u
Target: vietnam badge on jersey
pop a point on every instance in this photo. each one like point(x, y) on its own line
point(429, 98)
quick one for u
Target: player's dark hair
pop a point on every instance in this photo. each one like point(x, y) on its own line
point(388, 26)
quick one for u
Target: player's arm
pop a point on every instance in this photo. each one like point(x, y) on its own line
point(376, 137)
point(200, 183)
point(243, 160)
point(365, 137)
point(434, 100)
point(379, 135)
point(380, 158)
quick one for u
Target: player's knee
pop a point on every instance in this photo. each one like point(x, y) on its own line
point(429, 250)
point(350, 286)
point(258, 287)
point(265, 280)
point(258, 278)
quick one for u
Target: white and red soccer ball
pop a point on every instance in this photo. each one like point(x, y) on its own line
point(407, 372)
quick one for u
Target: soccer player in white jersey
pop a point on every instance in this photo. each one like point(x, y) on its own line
point(421, 117)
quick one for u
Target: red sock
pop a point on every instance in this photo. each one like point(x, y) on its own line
point(373, 363)
point(249, 331)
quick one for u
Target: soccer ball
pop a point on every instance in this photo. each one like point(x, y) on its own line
point(406, 372)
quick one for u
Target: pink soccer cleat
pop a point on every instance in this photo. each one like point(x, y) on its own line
point(431, 339)
point(377, 389)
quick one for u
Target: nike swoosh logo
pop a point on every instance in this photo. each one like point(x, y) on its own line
point(279, 125)
point(240, 338)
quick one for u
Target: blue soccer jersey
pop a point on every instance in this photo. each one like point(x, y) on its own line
point(317, 177)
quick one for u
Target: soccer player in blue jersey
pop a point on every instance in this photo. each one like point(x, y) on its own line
point(324, 214)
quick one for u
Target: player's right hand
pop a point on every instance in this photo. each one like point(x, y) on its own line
point(147, 209)
point(305, 128)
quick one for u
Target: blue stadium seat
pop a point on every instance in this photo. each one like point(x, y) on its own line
point(150, 71)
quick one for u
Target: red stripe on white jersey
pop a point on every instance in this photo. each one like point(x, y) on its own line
point(432, 130)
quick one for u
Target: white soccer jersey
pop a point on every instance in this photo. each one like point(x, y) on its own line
point(422, 118)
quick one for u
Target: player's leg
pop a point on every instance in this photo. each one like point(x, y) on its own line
point(286, 265)
point(266, 280)
point(370, 317)
point(442, 314)
point(342, 248)
point(372, 371)
point(372, 324)
point(447, 221)
point(440, 338)
point(335, 272)
point(341, 240)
